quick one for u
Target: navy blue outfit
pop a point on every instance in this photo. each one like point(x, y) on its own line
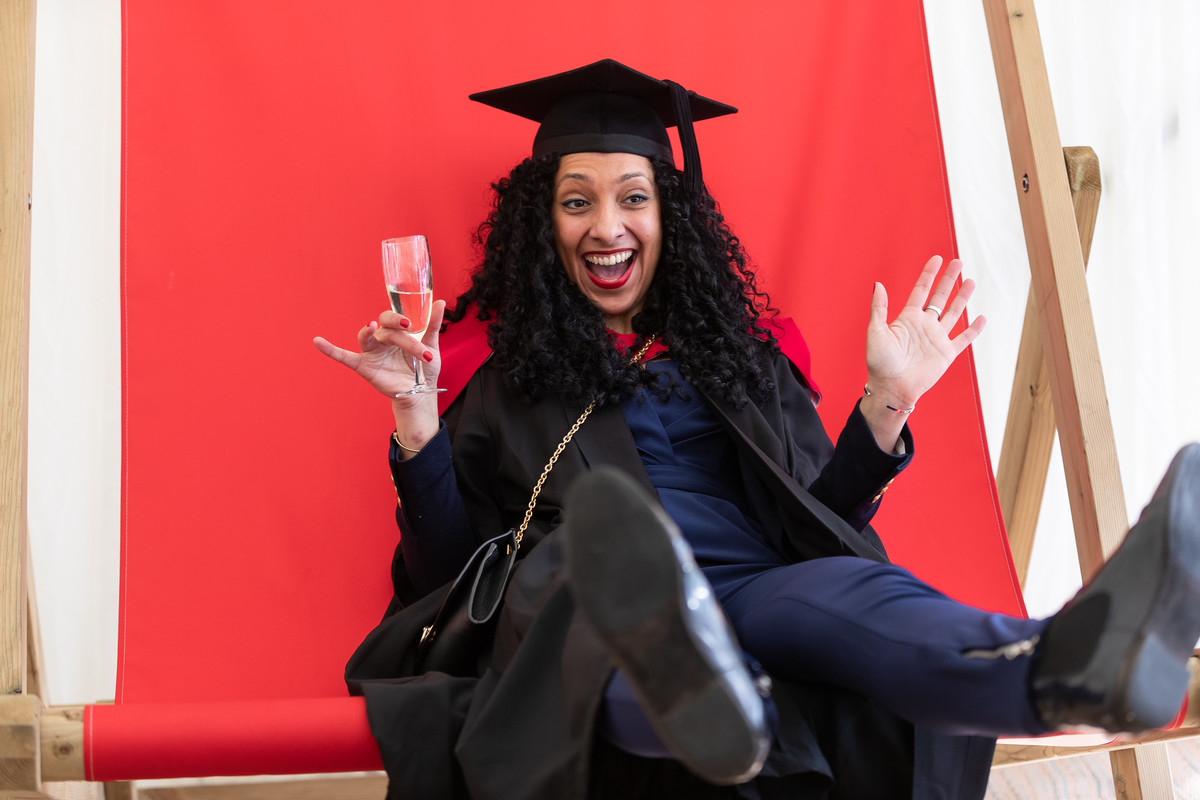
point(876, 675)
point(850, 622)
point(692, 463)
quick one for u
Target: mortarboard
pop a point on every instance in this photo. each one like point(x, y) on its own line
point(606, 107)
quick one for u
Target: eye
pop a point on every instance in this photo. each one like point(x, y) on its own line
point(637, 199)
point(573, 203)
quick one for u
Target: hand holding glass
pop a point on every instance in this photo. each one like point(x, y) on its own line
point(408, 275)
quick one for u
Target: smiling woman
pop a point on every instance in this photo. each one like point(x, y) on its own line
point(607, 230)
point(703, 505)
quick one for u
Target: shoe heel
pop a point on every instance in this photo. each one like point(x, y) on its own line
point(1157, 685)
point(723, 751)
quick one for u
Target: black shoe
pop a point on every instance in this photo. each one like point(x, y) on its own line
point(1115, 657)
point(635, 580)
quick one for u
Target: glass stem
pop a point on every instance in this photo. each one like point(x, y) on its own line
point(418, 373)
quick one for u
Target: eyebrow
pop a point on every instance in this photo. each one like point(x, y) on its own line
point(579, 176)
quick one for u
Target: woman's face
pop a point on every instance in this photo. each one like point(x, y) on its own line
point(607, 230)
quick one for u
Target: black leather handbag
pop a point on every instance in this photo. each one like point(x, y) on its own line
point(453, 641)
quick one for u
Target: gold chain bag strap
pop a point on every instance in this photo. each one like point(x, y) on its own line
point(454, 641)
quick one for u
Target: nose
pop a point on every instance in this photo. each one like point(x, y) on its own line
point(608, 224)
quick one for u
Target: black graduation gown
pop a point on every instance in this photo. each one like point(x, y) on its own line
point(524, 727)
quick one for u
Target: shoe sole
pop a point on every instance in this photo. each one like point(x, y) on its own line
point(1154, 671)
point(621, 555)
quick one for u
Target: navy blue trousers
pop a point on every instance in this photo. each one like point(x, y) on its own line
point(877, 630)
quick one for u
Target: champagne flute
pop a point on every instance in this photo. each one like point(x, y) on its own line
point(408, 275)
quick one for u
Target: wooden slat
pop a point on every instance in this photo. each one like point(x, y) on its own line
point(1014, 755)
point(1065, 318)
point(74, 791)
point(1056, 263)
point(16, 155)
point(35, 665)
point(1083, 179)
point(1029, 431)
point(370, 787)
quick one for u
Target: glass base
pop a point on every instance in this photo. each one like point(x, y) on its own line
point(419, 389)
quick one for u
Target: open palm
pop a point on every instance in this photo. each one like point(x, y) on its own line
point(908, 356)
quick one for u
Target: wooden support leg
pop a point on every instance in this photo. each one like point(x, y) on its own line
point(20, 665)
point(1056, 263)
point(62, 743)
point(20, 748)
point(16, 154)
point(35, 666)
point(1142, 773)
point(1029, 431)
point(1064, 310)
point(121, 790)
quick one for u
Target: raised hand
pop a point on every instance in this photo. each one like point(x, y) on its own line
point(906, 357)
point(386, 350)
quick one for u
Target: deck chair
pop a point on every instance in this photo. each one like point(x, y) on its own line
point(268, 149)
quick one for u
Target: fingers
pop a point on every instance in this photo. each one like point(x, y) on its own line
point(879, 307)
point(366, 335)
point(392, 330)
point(958, 303)
point(968, 335)
point(435, 324)
point(919, 296)
point(393, 321)
point(327, 348)
point(942, 294)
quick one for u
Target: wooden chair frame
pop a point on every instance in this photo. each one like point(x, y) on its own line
point(1058, 382)
point(1058, 212)
point(19, 710)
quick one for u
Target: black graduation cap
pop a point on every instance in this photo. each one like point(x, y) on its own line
point(606, 107)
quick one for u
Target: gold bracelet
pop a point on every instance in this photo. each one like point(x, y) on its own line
point(867, 392)
point(403, 446)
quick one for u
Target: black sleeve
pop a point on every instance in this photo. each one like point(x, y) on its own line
point(853, 481)
point(435, 533)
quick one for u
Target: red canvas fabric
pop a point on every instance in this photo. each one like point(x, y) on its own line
point(145, 741)
point(270, 146)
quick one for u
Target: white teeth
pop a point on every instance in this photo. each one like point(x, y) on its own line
point(608, 261)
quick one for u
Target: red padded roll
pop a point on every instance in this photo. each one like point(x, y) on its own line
point(270, 737)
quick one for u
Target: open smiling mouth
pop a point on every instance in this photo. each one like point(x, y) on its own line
point(610, 270)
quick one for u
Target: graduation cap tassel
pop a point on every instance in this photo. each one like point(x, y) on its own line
point(687, 137)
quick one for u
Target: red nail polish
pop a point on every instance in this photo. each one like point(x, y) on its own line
point(428, 356)
point(403, 323)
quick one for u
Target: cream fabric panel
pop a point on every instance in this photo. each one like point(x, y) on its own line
point(75, 363)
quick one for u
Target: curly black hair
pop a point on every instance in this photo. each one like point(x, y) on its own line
point(547, 336)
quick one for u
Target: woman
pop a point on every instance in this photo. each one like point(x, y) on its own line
point(598, 248)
